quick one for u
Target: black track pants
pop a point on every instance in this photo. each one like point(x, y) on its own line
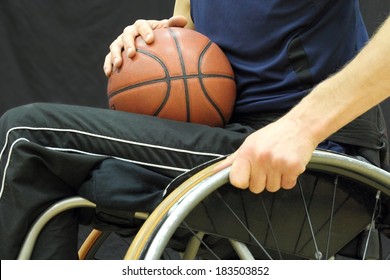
point(118, 160)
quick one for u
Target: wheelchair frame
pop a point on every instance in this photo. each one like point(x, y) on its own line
point(154, 235)
point(152, 238)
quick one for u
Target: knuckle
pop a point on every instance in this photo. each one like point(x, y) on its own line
point(289, 181)
point(238, 184)
point(297, 166)
point(116, 45)
point(257, 189)
point(154, 24)
point(272, 188)
point(139, 22)
point(266, 156)
point(127, 29)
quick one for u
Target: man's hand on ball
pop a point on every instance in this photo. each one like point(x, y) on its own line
point(125, 41)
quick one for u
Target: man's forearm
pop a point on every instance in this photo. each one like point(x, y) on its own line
point(362, 84)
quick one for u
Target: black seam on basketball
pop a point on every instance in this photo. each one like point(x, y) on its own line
point(166, 79)
point(169, 80)
point(138, 85)
point(216, 107)
point(184, 76)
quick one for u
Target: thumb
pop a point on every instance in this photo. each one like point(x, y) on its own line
point(225, 163)
point(177, 21)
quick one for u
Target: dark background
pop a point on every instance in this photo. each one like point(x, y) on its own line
point(53, 51)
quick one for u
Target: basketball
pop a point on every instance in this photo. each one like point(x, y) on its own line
point(181, 76)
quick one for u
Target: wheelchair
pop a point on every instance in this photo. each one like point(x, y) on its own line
point(340, 209)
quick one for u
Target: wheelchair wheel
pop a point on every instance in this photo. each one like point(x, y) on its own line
point(337, 210)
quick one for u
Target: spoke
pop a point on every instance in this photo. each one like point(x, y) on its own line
point(201, 241)
point(244, 226)
point(331, 216)
point(318, 254)
point(271, 229)
point(372, 224)
point(302, 227)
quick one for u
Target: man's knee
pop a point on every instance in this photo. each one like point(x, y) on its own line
point(22, 115)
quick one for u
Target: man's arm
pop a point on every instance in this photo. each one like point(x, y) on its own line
point(274, 156)
point(183, 8)
point(363, 83)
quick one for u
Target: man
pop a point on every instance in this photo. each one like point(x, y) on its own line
point(281, 151)
point(279, 51)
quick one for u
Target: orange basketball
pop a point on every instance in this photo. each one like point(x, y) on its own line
point(181, 76)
